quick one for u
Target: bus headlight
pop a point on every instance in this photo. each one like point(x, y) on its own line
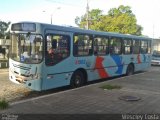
point(34, 76)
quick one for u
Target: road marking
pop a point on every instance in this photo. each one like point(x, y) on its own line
point(52, 94)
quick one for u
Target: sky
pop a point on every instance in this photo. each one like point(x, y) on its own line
point(64, 12)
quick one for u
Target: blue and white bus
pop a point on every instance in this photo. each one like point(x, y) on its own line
point(44, 56)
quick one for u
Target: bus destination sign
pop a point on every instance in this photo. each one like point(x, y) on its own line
point(28, 27)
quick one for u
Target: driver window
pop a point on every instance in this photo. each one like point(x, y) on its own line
point(57, 48)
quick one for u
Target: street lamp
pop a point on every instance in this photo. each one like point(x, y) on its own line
point(53, 12)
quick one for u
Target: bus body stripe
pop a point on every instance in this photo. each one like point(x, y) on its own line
point(138, 59)
point(100, 68)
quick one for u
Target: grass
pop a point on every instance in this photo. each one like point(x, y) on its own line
point(110, 87)
point(3, 104)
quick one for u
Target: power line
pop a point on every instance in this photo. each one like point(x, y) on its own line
point(64, 3)
point(71, 4)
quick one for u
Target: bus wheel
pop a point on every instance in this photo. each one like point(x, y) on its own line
point(130, 70)
point(77, 79)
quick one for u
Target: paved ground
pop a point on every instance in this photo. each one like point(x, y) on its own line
point(92, 99)
point(9, 90)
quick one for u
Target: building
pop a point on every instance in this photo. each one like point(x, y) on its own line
point(4, 47)
point(156, 44)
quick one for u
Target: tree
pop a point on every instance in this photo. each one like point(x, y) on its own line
point(3, 27)
point(94, 15)
point(121, 20)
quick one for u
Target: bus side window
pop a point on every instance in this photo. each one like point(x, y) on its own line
point(115, 45)
point(58, 48)
point(90, 51)
point(82, 45)
point(149, 47)
point(127, 46)
point(136, 46)
point(54, 44)
point(144, 47)
point(107, 50)
point(111, 49)
point(101, 45)
point(75, 47)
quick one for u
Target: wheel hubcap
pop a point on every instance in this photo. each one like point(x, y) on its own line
point(130, 72)
point(78, 79)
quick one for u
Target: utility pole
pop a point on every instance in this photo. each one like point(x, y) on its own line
point(87, 12)
point(51, 19)
point(54, 12)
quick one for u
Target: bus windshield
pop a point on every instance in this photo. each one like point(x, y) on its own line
point(26, 48)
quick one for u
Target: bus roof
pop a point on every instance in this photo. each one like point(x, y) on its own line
point(80, 30)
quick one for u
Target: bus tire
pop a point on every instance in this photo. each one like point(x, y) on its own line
point(130, 70)
point(77, 79)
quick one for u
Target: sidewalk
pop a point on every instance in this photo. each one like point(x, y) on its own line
point(92, 99)
point(4, 70)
